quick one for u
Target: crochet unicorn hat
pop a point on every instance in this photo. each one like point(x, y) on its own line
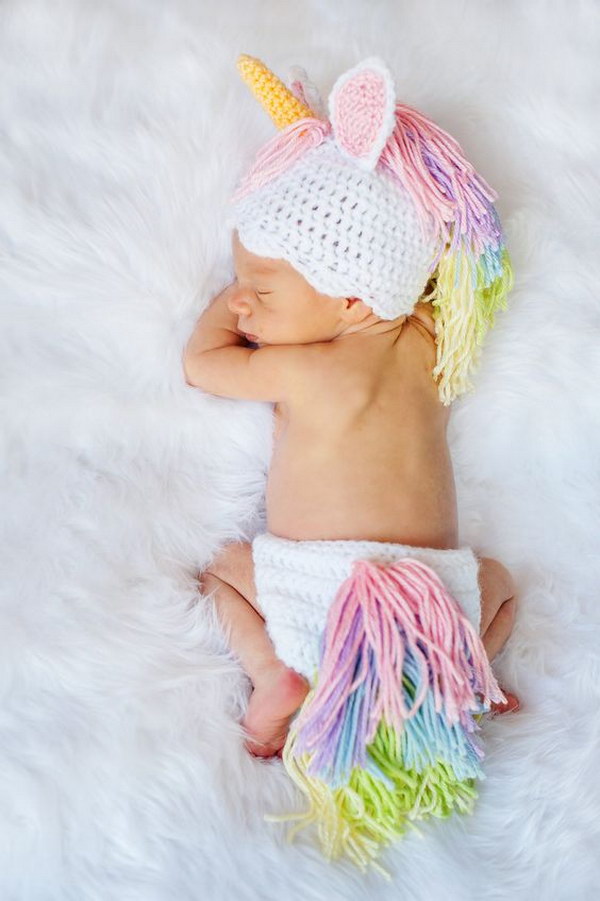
point(374, 200)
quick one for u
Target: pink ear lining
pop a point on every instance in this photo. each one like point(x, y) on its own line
point(359, 113)
point(361, 107)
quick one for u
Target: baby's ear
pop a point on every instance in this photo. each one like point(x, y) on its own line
point(354, 308)
point(353, 303)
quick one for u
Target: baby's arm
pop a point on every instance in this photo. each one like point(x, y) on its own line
point(218, 360)
point(216, 327)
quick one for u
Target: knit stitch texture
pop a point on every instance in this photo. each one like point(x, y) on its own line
point(348, 231)
point(296, 582)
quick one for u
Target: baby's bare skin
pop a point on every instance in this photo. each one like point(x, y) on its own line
point(359, 452)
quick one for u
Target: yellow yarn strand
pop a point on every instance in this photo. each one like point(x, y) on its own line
point(359, 818)
point(278, 101)
point(463, 315)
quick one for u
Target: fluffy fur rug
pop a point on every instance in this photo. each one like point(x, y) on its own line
point(124, 126)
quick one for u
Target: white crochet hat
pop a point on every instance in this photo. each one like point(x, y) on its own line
point(371, 202)
point(348, 231)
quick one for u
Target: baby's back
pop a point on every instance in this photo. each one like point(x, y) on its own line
point(361, 452)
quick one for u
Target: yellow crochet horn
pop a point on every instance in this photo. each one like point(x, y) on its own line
point(282, 106)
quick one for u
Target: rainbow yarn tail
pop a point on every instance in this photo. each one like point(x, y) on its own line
point(385, 735)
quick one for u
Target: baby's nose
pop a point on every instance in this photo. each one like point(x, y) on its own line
point(237, 303)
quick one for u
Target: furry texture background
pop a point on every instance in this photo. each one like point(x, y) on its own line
point(124, 126)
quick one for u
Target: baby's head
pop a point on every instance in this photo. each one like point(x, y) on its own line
point(277, 305)
point(369, 198)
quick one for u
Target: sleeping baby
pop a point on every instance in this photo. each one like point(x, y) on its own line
point(369, 262)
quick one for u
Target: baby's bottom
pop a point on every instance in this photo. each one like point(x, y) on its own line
point(278, 690)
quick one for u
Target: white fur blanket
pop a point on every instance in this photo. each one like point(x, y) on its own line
point(124, 126)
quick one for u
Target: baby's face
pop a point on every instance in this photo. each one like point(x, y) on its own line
point(276, 304)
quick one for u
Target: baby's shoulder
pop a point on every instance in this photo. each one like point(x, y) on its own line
point(312, 366)
point(325, 371)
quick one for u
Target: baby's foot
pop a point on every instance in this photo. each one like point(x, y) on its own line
point(511, 706)
point(277, 695)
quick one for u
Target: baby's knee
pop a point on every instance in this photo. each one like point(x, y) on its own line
point(508, 611)
point(231, 561)
point(498, 599)
point(496, 580)
point(234, 565)
point(207, 581)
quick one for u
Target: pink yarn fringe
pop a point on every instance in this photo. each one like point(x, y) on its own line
point(444, 185)
point(402, 603)
point(281, 152)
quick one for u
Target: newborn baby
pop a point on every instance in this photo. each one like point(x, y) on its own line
point(359, 450)
point(370, 261)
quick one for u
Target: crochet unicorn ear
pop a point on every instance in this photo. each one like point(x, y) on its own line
point(361, 111)
point(306, 91)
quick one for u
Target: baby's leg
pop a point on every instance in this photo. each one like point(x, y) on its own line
point(244, 628)
point(498, 605)
point(278, 690)
point(498, 610)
